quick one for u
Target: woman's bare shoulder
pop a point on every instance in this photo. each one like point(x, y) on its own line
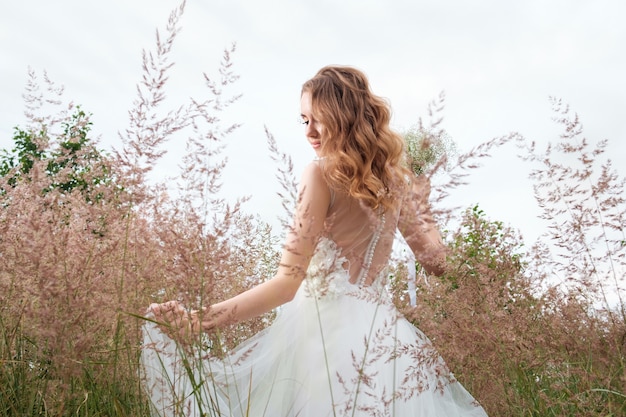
point(313, 184)
point(313, 172)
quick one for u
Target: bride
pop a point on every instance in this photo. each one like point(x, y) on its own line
point(338, 346)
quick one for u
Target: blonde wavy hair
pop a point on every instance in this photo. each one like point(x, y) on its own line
point(362, 155)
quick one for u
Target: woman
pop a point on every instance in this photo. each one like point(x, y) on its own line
point(338, 346)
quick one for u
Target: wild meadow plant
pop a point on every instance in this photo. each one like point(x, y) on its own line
point(79, 265)
point(538, 331)
point(88, 241)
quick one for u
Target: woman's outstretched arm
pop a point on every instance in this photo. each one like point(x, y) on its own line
point(308, 223)
point(420, 230)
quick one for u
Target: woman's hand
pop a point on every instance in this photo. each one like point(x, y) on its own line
point(177, 322)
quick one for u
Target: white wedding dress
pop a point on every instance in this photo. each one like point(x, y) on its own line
point(340, 348)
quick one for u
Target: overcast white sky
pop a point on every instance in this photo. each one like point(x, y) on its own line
point(498, 62)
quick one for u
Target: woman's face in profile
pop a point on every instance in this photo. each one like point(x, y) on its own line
point(313, 128)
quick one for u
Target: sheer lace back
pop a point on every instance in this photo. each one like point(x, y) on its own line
point(363, 236)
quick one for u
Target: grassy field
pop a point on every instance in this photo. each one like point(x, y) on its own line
point(86, 243)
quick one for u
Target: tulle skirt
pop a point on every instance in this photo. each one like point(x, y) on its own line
point(338, 354)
